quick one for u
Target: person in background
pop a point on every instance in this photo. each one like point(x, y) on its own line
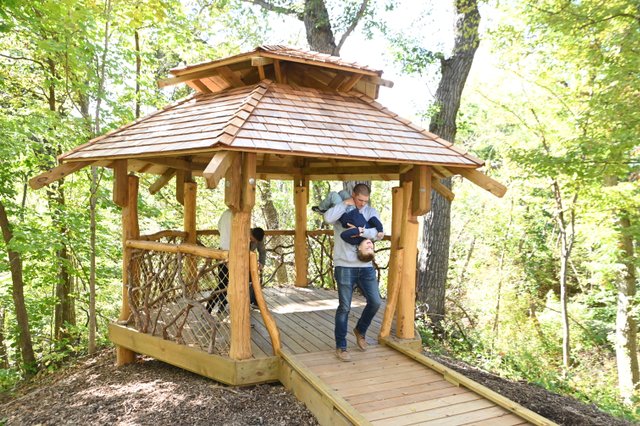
point(256, 243)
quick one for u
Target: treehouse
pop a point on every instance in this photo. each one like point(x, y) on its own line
point(271, 113)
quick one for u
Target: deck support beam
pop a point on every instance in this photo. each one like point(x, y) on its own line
point(300, 240)
point(240, 197)
point(405, 328)
point(130, 231)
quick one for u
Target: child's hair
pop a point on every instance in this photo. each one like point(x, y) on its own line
point(365, 257)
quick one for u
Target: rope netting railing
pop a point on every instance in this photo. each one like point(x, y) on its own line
point(178, 292)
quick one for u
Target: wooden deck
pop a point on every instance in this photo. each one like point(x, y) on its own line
point(389, 384)
point(305, 318)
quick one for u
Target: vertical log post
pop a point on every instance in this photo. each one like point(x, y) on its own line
point(189, 198)
point(300, 240)
point(130, 231)
point(395, 261)
point(409, 244)
point(241, 189)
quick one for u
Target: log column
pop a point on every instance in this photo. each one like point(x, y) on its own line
point(300, 241)
point(189, 198)
point(409, 245)
point(130, 231)
point(395, 260)
point(240, 197)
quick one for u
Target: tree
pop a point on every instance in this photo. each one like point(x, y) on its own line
point(434, 255)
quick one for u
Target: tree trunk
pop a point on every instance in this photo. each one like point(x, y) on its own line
point(17, 291)
point(564, 262)
point(136, 36)
point(318, 27)
point(4, 357)
point(92, 266)
point(433, 261)
point(626, 325)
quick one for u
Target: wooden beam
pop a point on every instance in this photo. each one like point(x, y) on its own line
point(421, 202)
point(442, 190)
point(248, 181)
point(232, 184)
point(184, 248)
point(337, 80)
point(120, 183)
point(352, 81)
point(57, 173)
point(261, 74)
point(130, 231)
point(218, 167)
point(300, 239)
point(238, 291)
point(395, 261)
point(261, 61)
point(480, 179)
point(160, 183)
point(180, 179)
point(230, 77)
point(175, 163)
point(405, 327)
point(172, 81)
point(278, 72)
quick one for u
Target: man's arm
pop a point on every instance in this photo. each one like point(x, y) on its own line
point(372, 233)
point(332, 215)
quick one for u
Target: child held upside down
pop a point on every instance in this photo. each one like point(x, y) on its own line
point(355, 223)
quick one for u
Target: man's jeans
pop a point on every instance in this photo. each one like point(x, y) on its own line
point(347, 279)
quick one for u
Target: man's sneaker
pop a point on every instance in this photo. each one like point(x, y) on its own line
point(343, 355)
point(360, 340)
point(317, 209)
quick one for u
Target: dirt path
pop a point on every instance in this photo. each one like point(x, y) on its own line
point(95, 392)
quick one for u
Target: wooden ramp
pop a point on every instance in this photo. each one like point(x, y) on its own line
point(392, 386)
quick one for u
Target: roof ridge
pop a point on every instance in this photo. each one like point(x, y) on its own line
point(237, 120)
point(415, 127)
point(126, 126)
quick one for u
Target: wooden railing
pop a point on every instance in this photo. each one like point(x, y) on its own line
point(170, 285)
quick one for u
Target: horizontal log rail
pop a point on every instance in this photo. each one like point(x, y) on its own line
point(270, 232)
point(178, 248)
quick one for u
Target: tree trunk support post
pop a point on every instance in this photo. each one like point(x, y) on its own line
point(409, 244)
point(301, 197)
point(395, 261)
point(130, 231)
point(240, 197)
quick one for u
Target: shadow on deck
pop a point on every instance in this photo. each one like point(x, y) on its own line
point(390, 384)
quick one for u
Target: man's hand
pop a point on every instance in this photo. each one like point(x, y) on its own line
point(349, 202)
point(380, 235)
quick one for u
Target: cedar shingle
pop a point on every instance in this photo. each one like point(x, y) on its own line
point(276, 117)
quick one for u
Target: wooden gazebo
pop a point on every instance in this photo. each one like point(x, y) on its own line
point(272, 113)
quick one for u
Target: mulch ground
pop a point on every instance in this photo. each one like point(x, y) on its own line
point(95, 392)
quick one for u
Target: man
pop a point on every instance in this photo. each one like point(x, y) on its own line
point(351, 271)
point(256, 243)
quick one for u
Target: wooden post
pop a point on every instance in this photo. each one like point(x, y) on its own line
point(130, 231)
point(405, 328)
point(120, 183)
point(238, 188)
point(300, 240)
point(189, 197)
point(395, 260)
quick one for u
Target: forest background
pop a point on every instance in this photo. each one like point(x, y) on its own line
point(540, 285)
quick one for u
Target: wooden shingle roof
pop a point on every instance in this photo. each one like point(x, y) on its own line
point(277, 118)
